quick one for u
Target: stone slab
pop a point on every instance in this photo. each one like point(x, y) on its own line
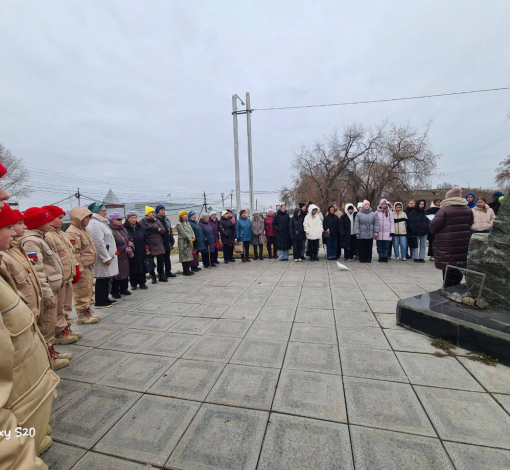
point(346, 319)
point(316, 301)
point(363, 337)
point(469, 417)
point(192, 326)
point(62, 456)
point(278, 330)
point(213, 348)
point(494, 378)
point(169, 344)
point(228, 327)
point(379, 449)
point(209, 311)
point(283, 313)
point(75, 349)
point(95, 461)
point(260, 352)
point(245, 386)
point(504, 400)
point(83, 422)
point(313, 333)
point(68, 390)
point(351, 305)
point(314, 315)
point(311, 394)
point(409, 341)
point(95, 336)
point(155, 322)
point(190, 380)
point(242, 312)
point(221, 437)
point(93, 366)
point(442, 372)
point(378, 294)
point(178, 308)
point(295, 443)
point(313, 358)
point(122, 319)
point(371, 364)
point(385, 405)
point(150, 430)
point(138, 373)
point(388, 320)
point(467, 457)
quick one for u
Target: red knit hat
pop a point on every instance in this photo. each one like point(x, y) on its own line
point(242, 212)
point(37, 216)
point(55, 211)
point(9, 216)
point(3, 170)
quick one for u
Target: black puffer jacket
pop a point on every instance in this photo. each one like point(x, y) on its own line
point(227, 231)
point(418, 223)
point(296, 230)
point(331, 222)
point(345, 230)
point(168, 237)
point(139, 238)
point(281, 223)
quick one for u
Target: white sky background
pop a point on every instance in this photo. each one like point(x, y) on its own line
point(139, 92)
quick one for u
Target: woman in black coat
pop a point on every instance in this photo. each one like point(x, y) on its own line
point(432, 210)
point(418, 227)
point(297, 234)
point(228, 235)
point(331, 225)
point(137, 268)
point(281, 225)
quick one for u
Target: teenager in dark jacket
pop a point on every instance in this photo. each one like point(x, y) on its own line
point(281, 224)
point(331, 225)
point(168, 239)
point(496, 201)
point(418, 228)
point(137, 269)
point(228, 236)
point(297, 234)
point(347, 238)
point(408, 210)
point(432, 210)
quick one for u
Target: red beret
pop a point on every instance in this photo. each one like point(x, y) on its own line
point(242, 212)
point(3, 170)
point(55, 211)
point(9, 216)
point(37, 216)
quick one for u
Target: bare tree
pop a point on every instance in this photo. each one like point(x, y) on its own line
point(502, 178)
point(16, 181)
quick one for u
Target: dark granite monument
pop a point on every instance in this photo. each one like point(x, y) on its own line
point(480, 330)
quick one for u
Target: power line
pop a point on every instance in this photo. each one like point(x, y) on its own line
point(487, 90)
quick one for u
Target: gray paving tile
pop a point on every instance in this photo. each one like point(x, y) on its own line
point(213, 348)
point(504, 400)
point(283, 313)
point(363, 337)
point(155, 322)
point(75, 349)
point(313, 333)
point(386, 405)
point(68, 390)
point(346, 319)
point(341, 293)
point(245, 386)
point(95, 461)
point(138, 373)
point(157, 305)
point(378, 449)
point(388, 320)
point(242, 312)
point(313, 358)
point(230, 327)
point(150, 430)
point(249, 300)
point(191, 380)
point(209, 311)
point(281, 300)
point(294, 443)
point(98, 335)
point(443, 372)
point(380, 294)
point(404, 340)
point(473, 418)
point(314, 315)
point(178, 308)
point(221, 437)
point(192, 326)
point(122, 319)
point(260, 352)
point(493, 378)
point(311, 394)
point(351, 305)
point(279, 330)
point(169, 344)
point(93, 366)
point(62, 456)
point(371, 364)
point(467, 457)
point(383, 306)
point(316, 301)
point(129, 341)
point(83, 422)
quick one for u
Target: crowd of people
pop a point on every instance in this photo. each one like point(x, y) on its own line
point(94, 262)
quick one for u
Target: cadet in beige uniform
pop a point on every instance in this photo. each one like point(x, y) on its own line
point(27, 381)
point(49, 270)
point(61, 244)
point(85, 254)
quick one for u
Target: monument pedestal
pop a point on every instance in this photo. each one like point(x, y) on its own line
point(486, 331)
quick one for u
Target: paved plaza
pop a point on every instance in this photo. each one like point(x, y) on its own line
point(276, 365)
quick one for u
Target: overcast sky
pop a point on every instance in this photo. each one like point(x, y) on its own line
point(139, 92)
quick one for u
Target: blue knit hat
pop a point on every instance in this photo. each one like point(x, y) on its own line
point(159, 207)
point(95, 207)
point(191, 214)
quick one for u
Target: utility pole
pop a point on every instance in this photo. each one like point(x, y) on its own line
point(256, 204)
point(250, 162)
point(223, 200)
point(236, 151)
point(78, 197)
point(205, 203)
point(231, 197)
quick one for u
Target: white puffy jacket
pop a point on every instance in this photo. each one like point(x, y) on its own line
point(313, 225)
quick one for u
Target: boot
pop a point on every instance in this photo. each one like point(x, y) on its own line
point(45, 444)
point(66, 337)
point(134, 287)
point(170, 275)
point(163, 278)
point(260, 253)
point(125, 292)
point(144, 287)
point(79, 334)
point(86, 317)
point(255, 252)
point(116, 296)
point(55, 360)
point(154, 280)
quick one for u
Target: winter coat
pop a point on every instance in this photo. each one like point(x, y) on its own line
point(48, 267)
point(185, 238)
point(296, 229)
point(139, 238)
point(452, 229)
point(281, 223)
point(400, 222)
point(268, 227)
point(366, 224)
point(418, 222)
point(257, 231)
point(215, 225)
point(24, 276)
point(313, 225)
point(472, 204)
point(208, 237)
point(345, 230)
point(386, 224)
point(105, 246)
point(122, 241)
point(495, 204)
point(331, 222)
point(227, 231)
point(483, 220)
point(351, 216)
point(28, 383)
point(155, 232)
point(81, 239)
point(167, 236)
point(243, 230)
point(61, 244)
point(408, 211)
point(199, 243)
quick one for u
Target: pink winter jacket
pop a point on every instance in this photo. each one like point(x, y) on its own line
point(386, 224)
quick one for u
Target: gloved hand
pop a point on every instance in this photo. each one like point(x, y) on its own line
point(77, 277)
